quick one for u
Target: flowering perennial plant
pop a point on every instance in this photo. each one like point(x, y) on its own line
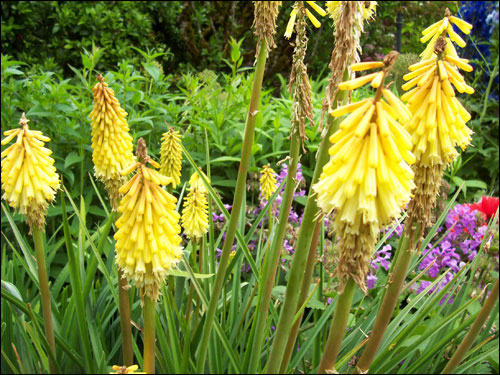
point(438, 122)
point(368, 179)
point(147, 239)
point(111, 141)
point(29, 178)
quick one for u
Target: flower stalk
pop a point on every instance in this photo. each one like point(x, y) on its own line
point(30, 181)
point(305, 240)
point(437, 126)
point(149, 334)
point(264, 30)
point(126, 327)
point(301, 109)
point(473, 332)
point(337, 329)
point(44, 290)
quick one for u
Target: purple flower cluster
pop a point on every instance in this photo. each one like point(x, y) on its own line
point(464, 231)
point(381, 259)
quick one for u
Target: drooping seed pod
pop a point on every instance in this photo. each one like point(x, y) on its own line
point(266, 13)
point(368, 180)
point(147, 239)
point(348, 20)
point(267, 182)
point(29, 178)
point(195, 211)
point(171, 156)
point(111, 141)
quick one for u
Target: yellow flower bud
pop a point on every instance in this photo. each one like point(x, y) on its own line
point(171, 156)
point(195, 210)
point(267, 182)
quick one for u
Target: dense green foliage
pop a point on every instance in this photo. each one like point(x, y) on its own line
point(189, 65)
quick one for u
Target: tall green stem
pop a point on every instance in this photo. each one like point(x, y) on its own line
point(302, 250)
point(123, 299)
point(149, 335)
point(394, 286)
point(44, 290)
point(237, 203)
point(337, 330)
point(304, 291)
point(272, 264)
point(473, 332)
point(488, 90)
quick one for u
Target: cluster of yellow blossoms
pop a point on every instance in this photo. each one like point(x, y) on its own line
point(267, 182)
point(438, 121)
point(147, 239)
point(171, 156)
point(195, 210)
point(111, 141)
point(29, 178)
point(368, 179)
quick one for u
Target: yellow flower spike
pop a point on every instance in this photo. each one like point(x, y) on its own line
point(29, 178)
point(267, 182)
point(367, 179)
point(111, 141)
point(195, 211)
point(436, 116)
point(126, 370)
point(171, 156)
point(147, 236)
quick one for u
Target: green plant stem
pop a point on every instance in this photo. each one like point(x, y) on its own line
point(302, 249)
point(304, 291)
point(246, 153)
point(488, 90)
point(44, 290)
point(269, 274)
point(473, 332)
point(149, 335)
point(395, 283)
point(126, 327)
point(337, 329)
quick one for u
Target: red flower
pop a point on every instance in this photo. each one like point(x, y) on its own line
point(488, 206)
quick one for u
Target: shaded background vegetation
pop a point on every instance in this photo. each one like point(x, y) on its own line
point(187, 50)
